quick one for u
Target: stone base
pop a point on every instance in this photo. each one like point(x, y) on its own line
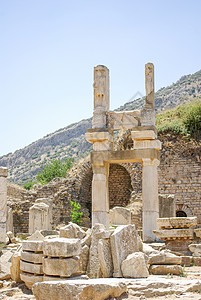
point(101, 217)
point(180, 246)
point(30, 279)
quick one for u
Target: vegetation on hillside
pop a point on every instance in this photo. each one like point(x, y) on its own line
point(184, 120)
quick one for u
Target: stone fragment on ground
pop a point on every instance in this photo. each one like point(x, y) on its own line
point(93, 289)
point(64, 267)
point(124, 241)
point(11, 237)
point(94, 268)
point(72, 230)
point(165, 269)
point(15, 266)
point(164, 258)
point(84, 258)
point(195, 249)
point(105, 257)
point(87, 239)
point(5, 264)
point(134, 266)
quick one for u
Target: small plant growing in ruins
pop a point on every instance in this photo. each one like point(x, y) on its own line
point(183, 272)
point(76, 215)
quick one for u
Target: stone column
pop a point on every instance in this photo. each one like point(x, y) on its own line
point(148, 112)
point(3, 203)
point(101, 96)
point(100, 195)
point(150, 198)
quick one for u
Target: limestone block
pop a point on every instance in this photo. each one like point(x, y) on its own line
point(87, 239)
point(84, 258)
point(165, 269)
point(148, 250)
point(39, 217)
point(94, 268)
point(179, 245)
point(3, 235)
point(35, 246)
point(30, 279)
point(5, 264)
point(145, 144)
point(195, 249)
point(197, 261)
point(56, 278)
point(123, 242)
point(15, 267)
point(169, 234)
point(176, 222)
point(79, 289)
point(105, 257)
point(31, 268)
point(64, 267)
point(101, 217)
point(9, 219)
point(32, 257)
point(134, 266)
point(72, 230)
point(11, 237)
point(46, 233)
point(143, 135)
point(36, 236)
point(62, 247)
point(186, 261)
point(120, 216)
point(167, 206)
point(198, 232)
point(3, 172)
point(123, 119)
point(164, 258)
point(147, 117)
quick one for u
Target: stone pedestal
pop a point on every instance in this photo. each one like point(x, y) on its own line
point(150, 198)
point(100, 195)
point(39, 217)
point(3, 203)
point(167, 206)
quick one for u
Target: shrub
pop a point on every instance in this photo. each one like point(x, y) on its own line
point(75, 214)
point(28, 186)
point(52, 169)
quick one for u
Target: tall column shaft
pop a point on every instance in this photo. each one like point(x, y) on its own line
point(150, 198)
point(3, 203)
point(149, 86)
point(100, 197)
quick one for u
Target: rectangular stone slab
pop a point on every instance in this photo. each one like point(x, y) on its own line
point(65, 267)
point(34, 246)
point(31, 268)
point(32, 257)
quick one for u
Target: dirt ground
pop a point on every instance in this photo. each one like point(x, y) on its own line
point(18, 291)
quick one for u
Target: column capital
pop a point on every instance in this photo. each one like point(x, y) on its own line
point(150, 162)
point(3, 172)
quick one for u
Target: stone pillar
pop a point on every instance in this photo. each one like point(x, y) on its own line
point(150, 198)
point(9, 221)
point(148, 113)
point(101, 96)
point(3, 203)
point(100, 195)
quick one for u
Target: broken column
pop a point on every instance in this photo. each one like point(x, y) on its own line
point(102, 139)
point(150, 198)
point(3, 203)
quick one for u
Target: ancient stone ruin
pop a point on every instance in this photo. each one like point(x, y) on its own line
point(145, 149)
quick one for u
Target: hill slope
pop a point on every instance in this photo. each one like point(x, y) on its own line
point(23, 164)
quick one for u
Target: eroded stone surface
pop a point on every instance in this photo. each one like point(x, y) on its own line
point(35, 246)
point(123, 241)
point(120, 216)
point(195, 249)
point(30, 279)
point(31, 268)
point(61, 247)
point(64, 267)
point(72, 230)
point(171, 234)
point(165, 269)
point(164, 258)
point(134, 266)
point(84, 258)
point(15, 266)
point(105, 257)
point(32, 257)
point(93, 268)
point(176, 222)
point(78, 290)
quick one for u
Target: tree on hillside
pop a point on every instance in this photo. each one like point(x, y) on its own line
point(55, 168)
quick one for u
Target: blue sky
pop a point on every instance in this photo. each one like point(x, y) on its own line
point(49, 48)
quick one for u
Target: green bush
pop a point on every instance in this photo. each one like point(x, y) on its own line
point(184, 120)
point(75, 214)
point(54, 168)
point(28, 186)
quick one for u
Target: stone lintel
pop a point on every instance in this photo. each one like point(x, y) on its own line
point(99, 157)
point(176, 222)
point(99, 136)
point(174, 234)
point(147, 144)
point(123, 119)
point(142, 128)
point(143, 135)
point(3, 172)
